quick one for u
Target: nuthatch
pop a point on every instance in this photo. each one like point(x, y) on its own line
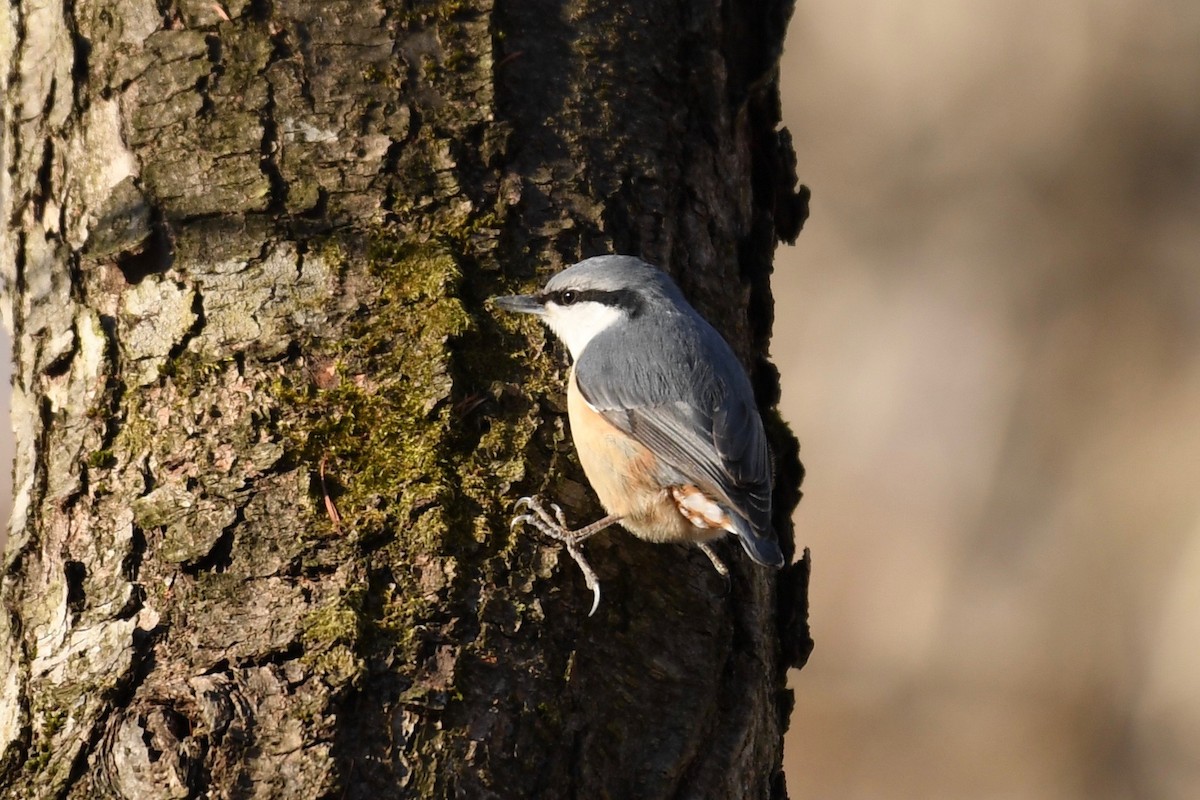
point(661, 411)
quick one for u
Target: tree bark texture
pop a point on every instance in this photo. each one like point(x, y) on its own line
point(270, 434)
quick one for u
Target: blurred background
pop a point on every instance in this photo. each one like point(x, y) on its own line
point(989, 335)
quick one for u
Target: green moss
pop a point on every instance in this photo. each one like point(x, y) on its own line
point(331, 251)
point(339, 665)
point(330, 635)
point(420, 13)
point(379, 419)
point(380, 411)
point(446, 10)
point(52, 721)
point(455, 60)
point(413, 272)
point(101, 459)
point(40, 758)
point(335, 623)
point(191, 372)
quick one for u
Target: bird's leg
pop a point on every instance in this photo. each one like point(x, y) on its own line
point(556, 528)
point(717, 563)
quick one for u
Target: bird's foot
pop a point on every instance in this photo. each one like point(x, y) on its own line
point(555, 526)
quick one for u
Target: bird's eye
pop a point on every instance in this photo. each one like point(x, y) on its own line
point(568, 297)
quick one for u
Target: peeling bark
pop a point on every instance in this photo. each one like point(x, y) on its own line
point(268, 434)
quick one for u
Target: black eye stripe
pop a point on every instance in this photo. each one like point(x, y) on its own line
point(618, 298)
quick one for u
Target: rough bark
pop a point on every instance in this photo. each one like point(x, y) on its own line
point(269, 434)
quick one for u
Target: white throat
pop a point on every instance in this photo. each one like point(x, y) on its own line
point(578, 324)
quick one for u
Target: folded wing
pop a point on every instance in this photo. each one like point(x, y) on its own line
point(695, 414)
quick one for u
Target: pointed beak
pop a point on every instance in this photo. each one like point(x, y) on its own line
point(521, 303)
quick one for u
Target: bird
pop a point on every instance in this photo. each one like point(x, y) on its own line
point(661, 413)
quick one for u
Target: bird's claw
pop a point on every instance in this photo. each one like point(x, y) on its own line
point(553, 526)
point(556, 528)
point(589, 576)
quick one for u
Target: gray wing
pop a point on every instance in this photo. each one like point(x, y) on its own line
point(695, 410)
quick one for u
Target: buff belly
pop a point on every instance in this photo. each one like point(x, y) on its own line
point(626, 477)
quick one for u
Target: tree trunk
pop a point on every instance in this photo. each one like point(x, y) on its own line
point(269, 435)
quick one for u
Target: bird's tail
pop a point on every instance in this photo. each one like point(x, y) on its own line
point(762, 547)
